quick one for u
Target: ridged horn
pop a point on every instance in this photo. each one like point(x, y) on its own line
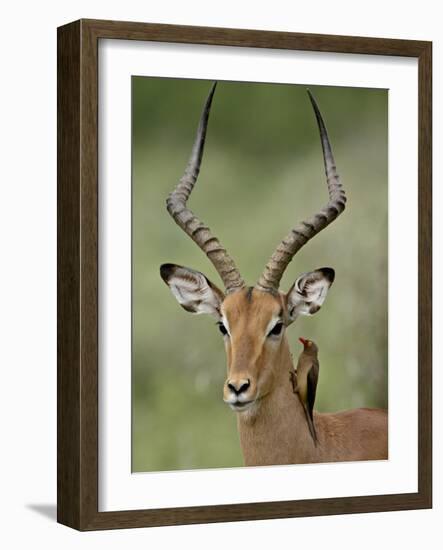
point(197, 230)
point(306, 230)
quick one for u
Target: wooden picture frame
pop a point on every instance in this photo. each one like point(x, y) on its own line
point(78, 274)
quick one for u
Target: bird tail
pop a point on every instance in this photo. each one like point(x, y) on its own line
point(311, 426)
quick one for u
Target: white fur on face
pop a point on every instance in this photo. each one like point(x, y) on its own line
point(224, 320)
point(274, 321)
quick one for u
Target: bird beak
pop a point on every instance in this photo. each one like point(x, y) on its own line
point(303, 341)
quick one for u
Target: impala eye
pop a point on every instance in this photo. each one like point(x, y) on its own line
point(222, 328)
point(276, 330)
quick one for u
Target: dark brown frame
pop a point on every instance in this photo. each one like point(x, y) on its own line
point(77, 457)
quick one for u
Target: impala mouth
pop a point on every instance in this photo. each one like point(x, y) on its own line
point(241, 405)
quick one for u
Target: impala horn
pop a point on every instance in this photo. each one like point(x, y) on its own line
point(198, 231)
point(306, 230)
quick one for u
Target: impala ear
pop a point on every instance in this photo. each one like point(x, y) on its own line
point(193, 291)
point(309, 291)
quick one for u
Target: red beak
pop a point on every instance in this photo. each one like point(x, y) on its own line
point(303, 341)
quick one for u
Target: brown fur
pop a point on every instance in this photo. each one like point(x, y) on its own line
point(274, 430)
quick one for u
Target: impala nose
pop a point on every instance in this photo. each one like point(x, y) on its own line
point(239, 386)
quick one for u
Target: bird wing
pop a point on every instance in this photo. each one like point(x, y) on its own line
point(312, 379)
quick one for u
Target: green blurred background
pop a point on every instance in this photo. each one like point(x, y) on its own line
point(262, 172)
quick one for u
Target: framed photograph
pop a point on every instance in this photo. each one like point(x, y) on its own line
point(304, 387)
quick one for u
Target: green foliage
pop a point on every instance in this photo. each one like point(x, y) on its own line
point(262, 172)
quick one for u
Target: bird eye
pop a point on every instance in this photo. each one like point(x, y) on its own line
point(222, 328)
point(276, 330)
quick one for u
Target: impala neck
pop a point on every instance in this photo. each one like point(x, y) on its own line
point(276, 432)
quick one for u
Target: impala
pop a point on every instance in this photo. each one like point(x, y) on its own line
point(253, 320)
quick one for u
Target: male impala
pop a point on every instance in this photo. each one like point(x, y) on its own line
point(253, 320)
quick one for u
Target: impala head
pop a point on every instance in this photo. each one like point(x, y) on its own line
point(252, 320)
